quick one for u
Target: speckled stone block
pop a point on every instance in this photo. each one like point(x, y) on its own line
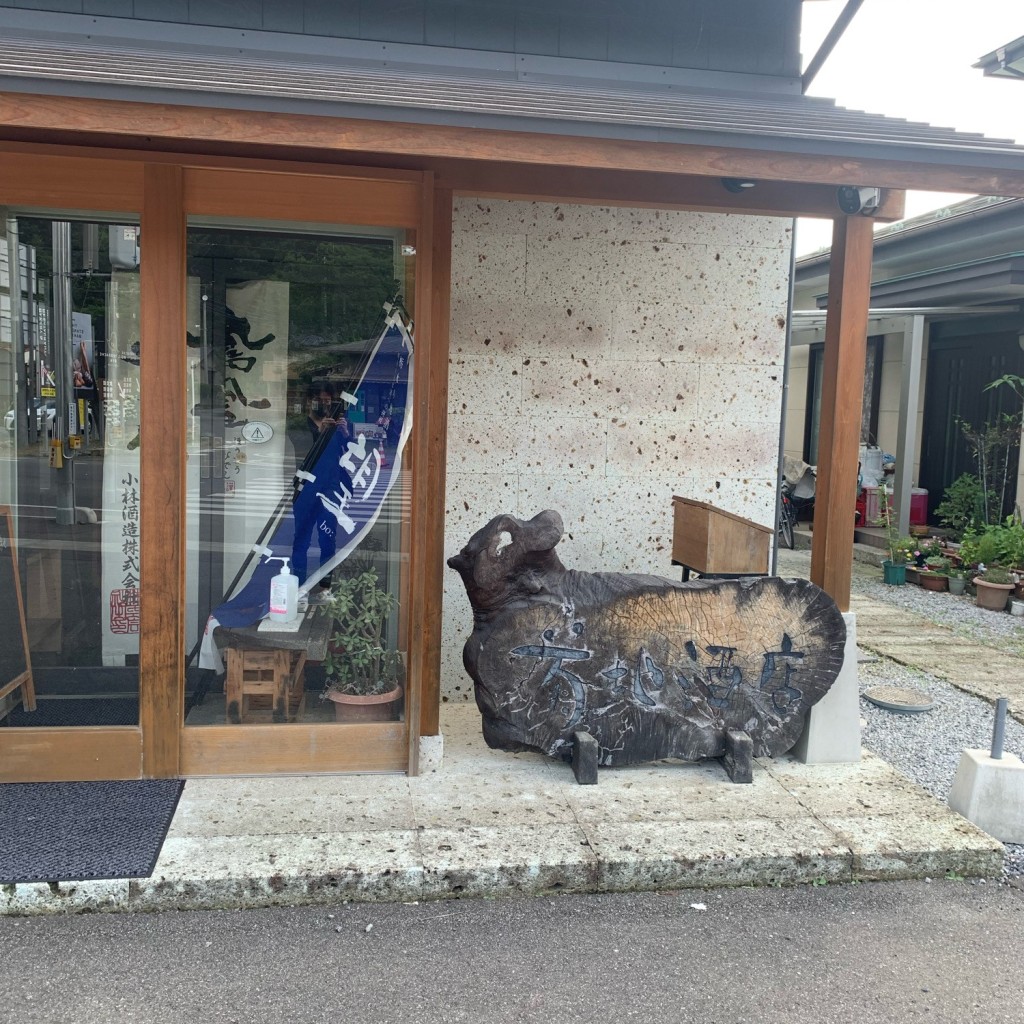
point(600, 358)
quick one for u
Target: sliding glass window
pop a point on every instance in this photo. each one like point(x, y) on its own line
point(70, 496)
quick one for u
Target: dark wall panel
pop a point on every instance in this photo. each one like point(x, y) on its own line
point(756, 36)
point(227, 13)
point(162, 10)
point(109, 8)
point(65, 7)
point(331, 19)
point(486, 27)
point(439, 24)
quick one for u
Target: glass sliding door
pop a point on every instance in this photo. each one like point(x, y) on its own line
point(69, 462)
point(299, 378)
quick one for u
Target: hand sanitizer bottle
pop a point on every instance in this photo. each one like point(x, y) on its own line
point(284, 594)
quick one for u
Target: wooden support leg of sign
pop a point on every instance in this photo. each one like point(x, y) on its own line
point(14, 650)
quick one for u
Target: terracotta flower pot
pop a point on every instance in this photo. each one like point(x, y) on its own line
point(376, 707)
point(992, 595)
point(934, 581)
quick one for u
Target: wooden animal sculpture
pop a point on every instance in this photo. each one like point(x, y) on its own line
point(648, 667)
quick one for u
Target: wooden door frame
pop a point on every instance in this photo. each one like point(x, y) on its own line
point(72, 183)
point(162, 193)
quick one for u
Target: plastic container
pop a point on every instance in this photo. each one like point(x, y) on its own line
point(284, 594)
point(872, 506)
point(870, 456)
point(918, 506)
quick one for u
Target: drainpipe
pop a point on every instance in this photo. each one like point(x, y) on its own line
point(785, 393)
point(835, 33)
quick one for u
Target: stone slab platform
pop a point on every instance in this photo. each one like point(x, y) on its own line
point(486, 823)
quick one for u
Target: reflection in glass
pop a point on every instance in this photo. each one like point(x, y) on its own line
point(299, 385)
point(69, 462)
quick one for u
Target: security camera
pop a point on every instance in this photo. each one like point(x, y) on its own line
point(855, 199)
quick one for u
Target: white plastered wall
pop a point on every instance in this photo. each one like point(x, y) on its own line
point(603, 360)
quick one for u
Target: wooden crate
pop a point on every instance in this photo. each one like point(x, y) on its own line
point(708, 540)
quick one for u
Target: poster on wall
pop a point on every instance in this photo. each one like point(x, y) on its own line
point(121, 494)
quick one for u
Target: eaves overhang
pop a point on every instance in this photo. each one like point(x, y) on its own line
point(775, 122)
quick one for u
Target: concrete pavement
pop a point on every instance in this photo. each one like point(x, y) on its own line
point(479, 822)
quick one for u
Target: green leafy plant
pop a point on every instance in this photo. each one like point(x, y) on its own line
point(996, 574)
point(1000, 544)
point(901, 548)
point(358, 661)
point(938, 566)
point(963, 505)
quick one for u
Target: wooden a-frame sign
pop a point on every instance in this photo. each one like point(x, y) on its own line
point(15, 663)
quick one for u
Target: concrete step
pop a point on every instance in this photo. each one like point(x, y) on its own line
point(868, 554)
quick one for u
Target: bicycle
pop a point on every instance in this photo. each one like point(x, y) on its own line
point(786, 520)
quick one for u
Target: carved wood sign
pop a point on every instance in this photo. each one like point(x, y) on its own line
point(650, 667)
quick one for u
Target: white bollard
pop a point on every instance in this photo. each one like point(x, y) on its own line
point(990, 792)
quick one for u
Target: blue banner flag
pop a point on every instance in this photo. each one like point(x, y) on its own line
point(339, 497)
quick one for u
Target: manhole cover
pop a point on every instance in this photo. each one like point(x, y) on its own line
point(899, 698)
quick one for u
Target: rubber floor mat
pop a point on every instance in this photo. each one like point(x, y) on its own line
point(75, 831)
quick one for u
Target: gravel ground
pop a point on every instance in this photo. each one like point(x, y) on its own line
point(926, 746)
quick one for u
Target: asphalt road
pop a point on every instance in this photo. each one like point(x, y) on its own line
point(945, 951)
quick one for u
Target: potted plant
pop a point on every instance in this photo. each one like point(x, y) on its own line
point(935, 575)
point(957, 579)
point(894, 568)
point(993, 588)
point(363, 677)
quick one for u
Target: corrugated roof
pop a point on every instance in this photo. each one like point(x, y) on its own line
point(735, 119)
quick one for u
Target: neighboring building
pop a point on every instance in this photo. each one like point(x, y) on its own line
point(1006, 62)
point(961, 271)
point(587, 212)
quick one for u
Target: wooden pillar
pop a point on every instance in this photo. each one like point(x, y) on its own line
point(842, 395)
point(162, 470)
point(435, 384)
point(430, 403)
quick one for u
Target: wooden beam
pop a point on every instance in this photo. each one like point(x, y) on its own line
point(225, 192)
point(656, 190)
point(842, 396)
point(112, 176)
point(162, 469)
point(29, 117)
point(61, 178)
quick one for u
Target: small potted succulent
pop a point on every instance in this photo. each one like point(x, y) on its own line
point(993, 588)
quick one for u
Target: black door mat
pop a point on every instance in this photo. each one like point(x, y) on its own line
point(60, 711)
point(77, 831)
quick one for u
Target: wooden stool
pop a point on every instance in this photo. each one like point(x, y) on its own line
point(262, 681)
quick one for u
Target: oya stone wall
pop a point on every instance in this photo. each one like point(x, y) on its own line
point(603, 360)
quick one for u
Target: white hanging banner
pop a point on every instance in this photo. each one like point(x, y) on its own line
point(121, 493)
point(258, 465)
